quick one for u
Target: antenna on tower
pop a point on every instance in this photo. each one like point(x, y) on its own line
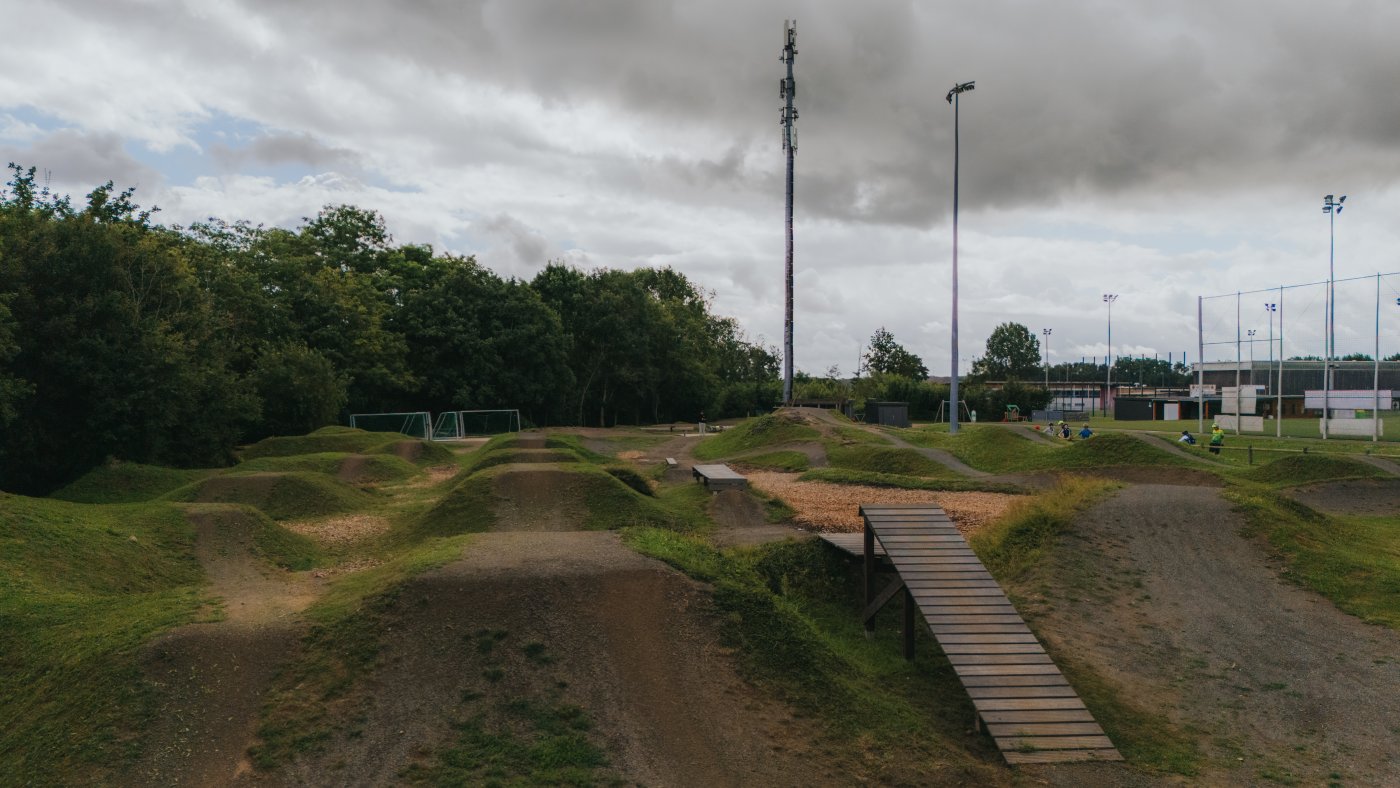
point(787, 90)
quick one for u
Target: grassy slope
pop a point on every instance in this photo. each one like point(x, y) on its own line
point(344, 440)
point(82, 588)
point(764, 431)
point(1304, 468)
point(281, 496)
point(885, 459)
point(785, 460)
point(1000, 450)
point(899, 481)
point(128, 482)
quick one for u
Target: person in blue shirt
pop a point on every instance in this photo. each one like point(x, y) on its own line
point(1085, 433)
point(1186, 438)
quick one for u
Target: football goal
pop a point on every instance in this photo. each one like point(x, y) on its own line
point(488, 422)
point(447, 426)
point(416, 424)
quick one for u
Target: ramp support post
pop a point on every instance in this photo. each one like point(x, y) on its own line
point(870, 570)
point(908, 626)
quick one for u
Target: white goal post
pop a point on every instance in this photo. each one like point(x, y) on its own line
point(488, 422)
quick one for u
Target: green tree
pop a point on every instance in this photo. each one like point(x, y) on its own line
point(887, 356)
point(1013, 353)
point(299, 390)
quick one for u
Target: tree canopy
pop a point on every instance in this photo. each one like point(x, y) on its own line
point(1013, 353)
point(888, 357)
point(121, 338)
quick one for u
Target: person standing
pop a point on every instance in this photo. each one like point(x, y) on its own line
point(1217, 438)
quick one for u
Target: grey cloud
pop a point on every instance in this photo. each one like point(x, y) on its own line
point(75, 162)
point(526, 244)
point(284, 149)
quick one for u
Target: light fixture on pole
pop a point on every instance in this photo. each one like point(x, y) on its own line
point(1268, 379)
point(1109, 298)
point(1331, 208)
point(1046, 332)
point(958, 90)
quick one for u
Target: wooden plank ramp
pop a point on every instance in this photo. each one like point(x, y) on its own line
point(1021, 697)
point(719, 477)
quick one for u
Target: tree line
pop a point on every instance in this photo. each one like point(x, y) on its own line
point(121, 337)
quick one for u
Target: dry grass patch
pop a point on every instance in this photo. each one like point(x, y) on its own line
point(836, 507)
point(342, 530)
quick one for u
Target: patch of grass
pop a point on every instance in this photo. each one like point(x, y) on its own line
point(281, 496)
point(612, 504)
point(858, 435)
point(270, 540)
point(1352, 560)
point(1013, 544)
point(372, 467)
point(344, 440)
point(82, 589)
point(629, 476)
point(128, 482)
point(468, 507)
point(791, 611)
point(574, 444)
point(1001, 450)
point(786, 460)
point(871, 479)
point(885, 459)
point(1304, 468)
point(770, 430)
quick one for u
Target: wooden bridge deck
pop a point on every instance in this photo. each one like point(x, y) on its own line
point(1024, 701)
point(719, 477)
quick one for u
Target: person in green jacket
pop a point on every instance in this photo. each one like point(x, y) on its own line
point(1217, 438)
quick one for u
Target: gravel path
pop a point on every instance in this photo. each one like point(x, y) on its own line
point(1158, 591)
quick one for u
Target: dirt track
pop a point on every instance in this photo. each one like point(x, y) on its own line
point(1157, 590)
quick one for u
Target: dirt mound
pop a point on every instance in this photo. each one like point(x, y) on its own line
point(1157, 591)
point(538, 500)
point(572, 619)
point(530, 440)
point(408, 451)
point(1161, 474)
point(1371, 497)
point(279, 495)
point(351, 468)
point(210, 677)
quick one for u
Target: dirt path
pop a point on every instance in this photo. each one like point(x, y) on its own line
point(627, 639)
point(739, 520)
point(212, 676)
point(1156, 590)
point(1388, 466)
point(537, 500)
point(941, 457)
point(1366, 497)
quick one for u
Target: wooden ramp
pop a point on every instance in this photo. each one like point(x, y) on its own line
point(1024, 701)
point(719, 477)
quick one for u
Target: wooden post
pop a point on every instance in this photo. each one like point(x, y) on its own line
point(869, 575)
point(908, 624)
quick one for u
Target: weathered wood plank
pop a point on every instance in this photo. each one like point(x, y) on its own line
point(936, 621)
point(1001, 730)
point(1004, 670)
point(1022, 716)
point(1026, 704)
point(1041, 680)
point(1053, 742)
point(969, 609)
point(992, 648)
point(967, 628)
point(1061, 756)
point(951, 639)
point(1000, 659)
point(1060, 691)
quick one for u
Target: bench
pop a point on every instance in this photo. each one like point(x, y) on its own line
point(671, 463)
point(719, 477)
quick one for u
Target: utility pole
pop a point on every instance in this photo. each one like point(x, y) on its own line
point(1331, 209)
point(787, 89)
point(1109, 298)
point(953, 95)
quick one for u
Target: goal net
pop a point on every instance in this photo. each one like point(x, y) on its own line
point(447, 426)
point(488, 422)
point(416, 424)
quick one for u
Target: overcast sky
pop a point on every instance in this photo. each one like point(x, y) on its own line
point(1160, 151)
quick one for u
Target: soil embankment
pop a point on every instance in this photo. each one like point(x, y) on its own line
point(1189, 620)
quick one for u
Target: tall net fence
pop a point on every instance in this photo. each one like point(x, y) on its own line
point(1274, 359)
point(488, 422)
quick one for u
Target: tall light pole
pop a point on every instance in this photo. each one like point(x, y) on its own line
point(1271, 308)
point(1046, 332)
point(958, 90)
point(1251, 333)
point(1109, 298)
point(786, 90)
point(1331, 209)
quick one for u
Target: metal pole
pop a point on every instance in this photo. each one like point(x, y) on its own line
point(789, 115)
point(1376, 381)
point(953, 389)
point(1046, 332)
point(1237, 362)
point(1200, 369)
point(1278, 428)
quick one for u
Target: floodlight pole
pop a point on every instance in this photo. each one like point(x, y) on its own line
point(1109, 298)
point(787, 89)
point(1046, 332)
point(958, 90)
point(1278, 393)
point(1331, 209)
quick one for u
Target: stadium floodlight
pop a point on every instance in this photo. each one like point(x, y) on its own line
point(1046, 332)
point(958, 89)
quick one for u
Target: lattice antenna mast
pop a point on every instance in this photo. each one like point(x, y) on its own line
point(787, 89)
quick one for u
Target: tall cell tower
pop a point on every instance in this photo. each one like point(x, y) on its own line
point(787, 89)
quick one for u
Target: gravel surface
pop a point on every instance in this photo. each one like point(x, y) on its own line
point(1157, 590)
point(1371, 497)
point(822, 506)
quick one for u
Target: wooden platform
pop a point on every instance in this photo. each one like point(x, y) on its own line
point(719, 477)
point(1026, 704)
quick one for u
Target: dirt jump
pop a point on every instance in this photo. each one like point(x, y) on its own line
point(1157, 589)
